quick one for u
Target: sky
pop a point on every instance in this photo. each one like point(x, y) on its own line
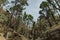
point(32, 9)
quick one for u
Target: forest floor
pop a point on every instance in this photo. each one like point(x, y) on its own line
point(3, 38)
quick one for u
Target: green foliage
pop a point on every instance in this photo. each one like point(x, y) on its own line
point(25, 16)
point(43, 4)
point(19, 22)
point(48, 15)
point(24, 2)
point(30, 17)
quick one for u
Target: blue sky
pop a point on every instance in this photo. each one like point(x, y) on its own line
point(32, 9)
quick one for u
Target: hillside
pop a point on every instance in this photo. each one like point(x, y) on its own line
point(53, 33)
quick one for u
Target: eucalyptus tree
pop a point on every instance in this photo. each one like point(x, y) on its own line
point(15, 16)
point(55, 5)
point(25, 17)
point(16, 12)
point(45, 7)
point(47, 13)
point(49, 9)
point(28, 19)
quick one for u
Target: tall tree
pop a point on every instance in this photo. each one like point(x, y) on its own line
point(55, 5)
point(28, 19)
point(45, 8)
point(15, 17)
point(16, 11)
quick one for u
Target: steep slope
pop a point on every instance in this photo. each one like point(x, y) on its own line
point(53, 33)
